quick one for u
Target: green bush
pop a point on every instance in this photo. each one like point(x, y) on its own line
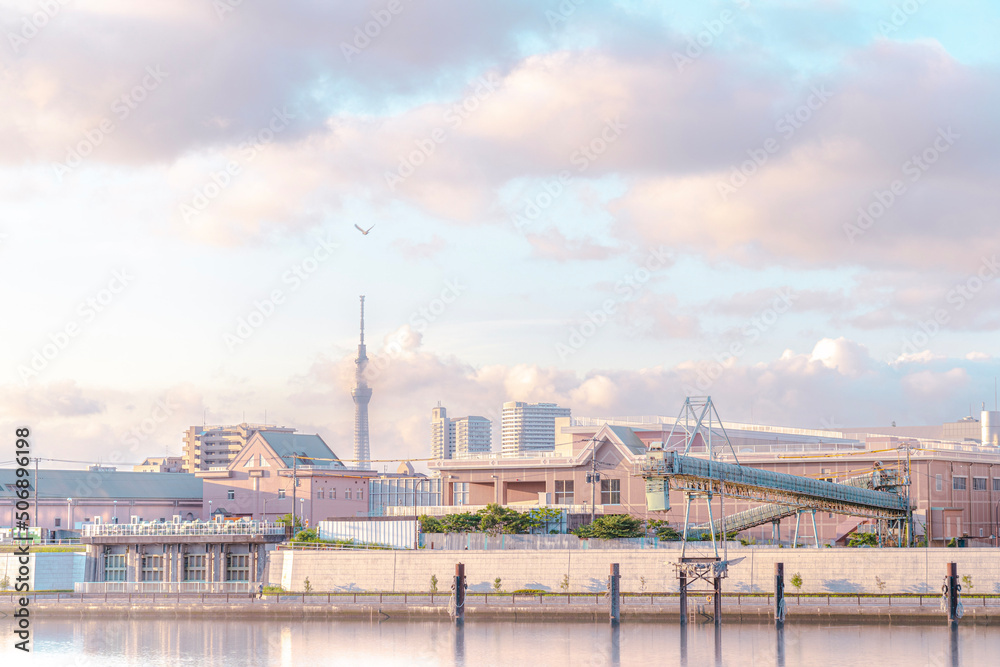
point(612, 526)
point(529, 591)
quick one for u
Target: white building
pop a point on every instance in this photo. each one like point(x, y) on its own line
point(529, 427)
point(460, 436)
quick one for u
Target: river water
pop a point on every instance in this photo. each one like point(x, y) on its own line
point(227, 643)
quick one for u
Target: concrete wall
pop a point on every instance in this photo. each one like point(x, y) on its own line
point(49, 571)
point(822, 570)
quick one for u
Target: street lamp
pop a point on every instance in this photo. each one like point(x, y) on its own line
point(69, 514)
point(302, 510)
point(114, 519)
point(209, 510)
point(264, 519)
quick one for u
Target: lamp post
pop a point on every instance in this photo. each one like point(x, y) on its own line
point(302, 509)
point(114, 518)
point(69, 514)
point(209, 510)
point(264, 519)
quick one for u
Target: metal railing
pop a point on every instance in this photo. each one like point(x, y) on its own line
point(163, 587)
point(440, 510)
point(184, 528)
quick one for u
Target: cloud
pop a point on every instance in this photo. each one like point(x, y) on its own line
point(553, 244)
point(56, 399)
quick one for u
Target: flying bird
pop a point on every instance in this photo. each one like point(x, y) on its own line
point(365, 231)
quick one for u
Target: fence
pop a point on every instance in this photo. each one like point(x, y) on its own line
point(184, 528)
point(163, 587)
point(484, 542)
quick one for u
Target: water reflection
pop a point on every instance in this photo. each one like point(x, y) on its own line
point(616, 637)
point(460, 642)
point(226, 642)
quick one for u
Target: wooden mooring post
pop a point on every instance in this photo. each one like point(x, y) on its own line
point(459, 593)
point(951, 583)
point(614, 591)
point(682, 577)
point(779, 595)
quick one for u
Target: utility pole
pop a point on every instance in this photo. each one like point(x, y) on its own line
point(593, 477)
point(295, 484)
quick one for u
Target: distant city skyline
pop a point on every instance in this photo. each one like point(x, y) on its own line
point(606, 206)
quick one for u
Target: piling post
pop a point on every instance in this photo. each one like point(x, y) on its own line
point(779, 595)
point(459, 593)
point(682, 576)
point(614, 585)
point(718, 600)
point(952, 586)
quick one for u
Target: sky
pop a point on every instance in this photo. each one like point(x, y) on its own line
point(791, 207)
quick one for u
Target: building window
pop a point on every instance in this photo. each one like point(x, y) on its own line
point(333, 494)
point(231, 494)
point(361, 494)
point(937, 482)
point(238, 567)
point(347, 494)
point(194, 567)
point(114, 567)
point(978, 483)
point(319, 494)
point(611, 492)
point(281, 494)
point(958, 484)
point(996, 484)
point(58, 522)
point(152, 568)
point(564, 492)
point(460, 493)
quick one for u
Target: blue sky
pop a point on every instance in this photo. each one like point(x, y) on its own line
point(608, 198)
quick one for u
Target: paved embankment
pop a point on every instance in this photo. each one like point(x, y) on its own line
point(662, 608)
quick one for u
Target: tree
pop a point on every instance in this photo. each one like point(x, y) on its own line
point(863, 540)
point(796, 581)
point(611, 526)
point(286, 520)
point(663, 531)
point(429, 524)
point(307, 535)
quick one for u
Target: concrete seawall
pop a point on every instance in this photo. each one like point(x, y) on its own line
point(822, 570)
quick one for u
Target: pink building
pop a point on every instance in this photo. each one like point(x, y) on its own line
point(281, 473)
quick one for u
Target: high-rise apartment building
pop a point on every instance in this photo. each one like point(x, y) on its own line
point(529, 427)
point(207, 447)
point(452, 438)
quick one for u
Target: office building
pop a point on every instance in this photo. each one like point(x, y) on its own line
point(529, 427)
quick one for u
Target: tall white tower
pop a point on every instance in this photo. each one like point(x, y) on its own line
point(362, 394)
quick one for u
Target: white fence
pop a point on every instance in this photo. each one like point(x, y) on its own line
point(158, 587)
point(184, 528)
point(396, 534)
